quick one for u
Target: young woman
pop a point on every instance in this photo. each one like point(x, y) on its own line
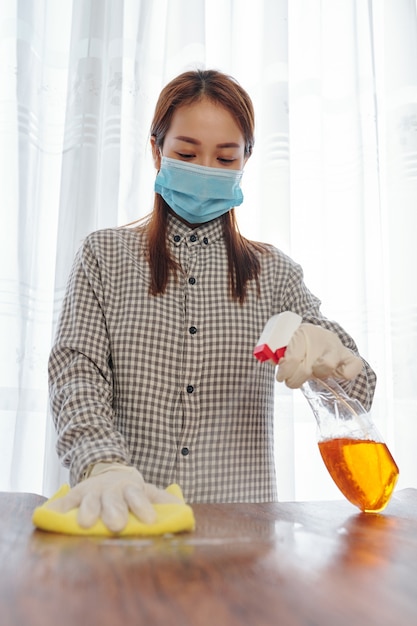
point(152, 374)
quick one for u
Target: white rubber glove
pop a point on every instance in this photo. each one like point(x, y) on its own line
point(108, 493)
point(316, 351)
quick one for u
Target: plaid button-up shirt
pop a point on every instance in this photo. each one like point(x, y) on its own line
point(169, 383)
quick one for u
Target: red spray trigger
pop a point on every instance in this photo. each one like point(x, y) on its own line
point(276, 335)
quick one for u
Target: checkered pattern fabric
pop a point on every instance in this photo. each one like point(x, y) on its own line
point(168, 383)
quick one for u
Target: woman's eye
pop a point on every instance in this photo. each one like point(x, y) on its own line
point(226, 161)
point(185, 156)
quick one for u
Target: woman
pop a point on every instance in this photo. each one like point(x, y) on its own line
point(152, 374)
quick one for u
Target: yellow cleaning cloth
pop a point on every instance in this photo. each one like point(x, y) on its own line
point(171, 518)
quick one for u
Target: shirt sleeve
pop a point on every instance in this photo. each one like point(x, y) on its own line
point(80, 374)
point(299, 299)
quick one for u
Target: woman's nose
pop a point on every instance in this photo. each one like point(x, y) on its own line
point(206, 161)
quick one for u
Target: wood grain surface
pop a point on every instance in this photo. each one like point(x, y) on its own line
point(309, 564)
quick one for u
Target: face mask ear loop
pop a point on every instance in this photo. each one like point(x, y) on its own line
point(160, 158)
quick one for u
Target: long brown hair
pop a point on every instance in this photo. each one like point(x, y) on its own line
point(243, 257)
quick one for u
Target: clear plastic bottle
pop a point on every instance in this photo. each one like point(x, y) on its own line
point(353, 451)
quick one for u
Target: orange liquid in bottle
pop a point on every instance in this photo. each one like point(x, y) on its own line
point(364, 471)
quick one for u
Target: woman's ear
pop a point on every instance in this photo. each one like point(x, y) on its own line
point(248, 153)
point(156, 153)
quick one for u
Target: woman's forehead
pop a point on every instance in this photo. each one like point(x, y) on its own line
point(205, 118)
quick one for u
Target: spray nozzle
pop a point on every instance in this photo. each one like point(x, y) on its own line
point(276, 335)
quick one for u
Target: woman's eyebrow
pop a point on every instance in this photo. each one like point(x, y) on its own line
point(188, 140)
point(196, 142)
point(228, 144)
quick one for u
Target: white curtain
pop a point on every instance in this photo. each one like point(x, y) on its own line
point(332, 182)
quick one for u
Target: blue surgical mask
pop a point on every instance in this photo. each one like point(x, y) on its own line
point(197, 193)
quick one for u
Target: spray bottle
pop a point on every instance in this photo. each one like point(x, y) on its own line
point(354, 453)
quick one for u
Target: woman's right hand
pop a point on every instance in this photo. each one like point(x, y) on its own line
point(111, 490)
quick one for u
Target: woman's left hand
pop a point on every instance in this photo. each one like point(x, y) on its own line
point(316, 351)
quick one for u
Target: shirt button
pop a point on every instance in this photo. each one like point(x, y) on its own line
point(205, 241)
point(190, 389)
point(193, 238)
point(177, 238)
point(191, 280)
point(185, 451)
point(192, 330)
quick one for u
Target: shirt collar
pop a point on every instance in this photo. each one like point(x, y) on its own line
point(205, 234)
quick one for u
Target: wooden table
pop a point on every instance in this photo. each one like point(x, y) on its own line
point(310, 564)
